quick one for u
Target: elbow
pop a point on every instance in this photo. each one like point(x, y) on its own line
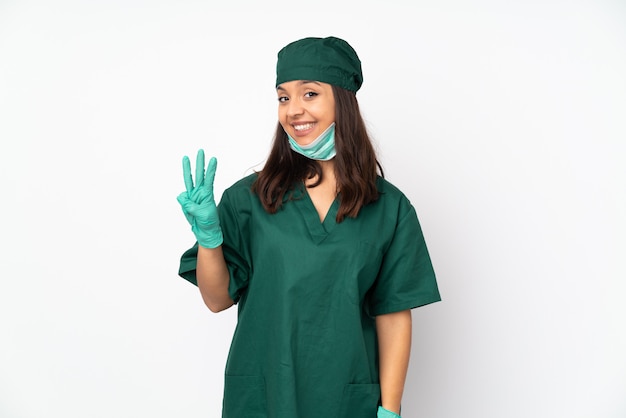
point(216, 301)
point(217, 306)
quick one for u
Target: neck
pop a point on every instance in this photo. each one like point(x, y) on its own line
point(328, 167)
point(328, 175)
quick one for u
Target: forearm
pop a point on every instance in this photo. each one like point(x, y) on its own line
point(213, 278)
point(394, 343)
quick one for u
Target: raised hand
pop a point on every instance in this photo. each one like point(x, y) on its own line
point(198, 202)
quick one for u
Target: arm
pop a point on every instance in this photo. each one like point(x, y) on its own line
point(394, 343)
point(213, 278)
point(198, 205)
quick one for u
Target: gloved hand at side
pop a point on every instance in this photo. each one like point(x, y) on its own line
point(198, 203)
point(385, 413)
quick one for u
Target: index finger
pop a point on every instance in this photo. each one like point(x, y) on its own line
point(187, 174)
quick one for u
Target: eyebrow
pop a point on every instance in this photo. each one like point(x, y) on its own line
point(302, 82)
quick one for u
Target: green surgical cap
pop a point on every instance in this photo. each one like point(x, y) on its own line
point(329, 60)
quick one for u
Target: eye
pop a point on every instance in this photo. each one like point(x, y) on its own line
point(310, 94)
point(283, 99)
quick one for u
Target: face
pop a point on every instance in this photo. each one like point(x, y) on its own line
point(305, 109)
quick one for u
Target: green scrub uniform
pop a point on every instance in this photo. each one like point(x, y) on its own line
point(308, 292)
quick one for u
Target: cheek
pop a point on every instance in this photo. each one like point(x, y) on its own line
point(331, 106)
point(282, 115)
point(327, 109)
point(282, 121)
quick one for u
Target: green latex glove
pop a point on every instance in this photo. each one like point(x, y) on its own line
point(385, 413)
point(198, 203)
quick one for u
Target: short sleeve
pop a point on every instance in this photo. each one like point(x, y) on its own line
point(406, 279)
point(188, 261)
point(234, 216)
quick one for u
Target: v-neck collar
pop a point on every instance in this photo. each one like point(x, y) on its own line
point(318, 229)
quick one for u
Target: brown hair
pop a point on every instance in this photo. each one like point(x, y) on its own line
point(356, 166)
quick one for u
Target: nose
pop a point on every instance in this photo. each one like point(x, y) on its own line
point(294, 108)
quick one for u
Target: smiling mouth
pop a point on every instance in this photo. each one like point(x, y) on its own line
point(303, 127)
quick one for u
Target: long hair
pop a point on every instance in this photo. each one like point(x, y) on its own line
point(356, 166)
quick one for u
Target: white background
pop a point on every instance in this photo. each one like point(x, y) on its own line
point(503, 122)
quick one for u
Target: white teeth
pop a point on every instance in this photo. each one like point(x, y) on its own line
point(303, 127)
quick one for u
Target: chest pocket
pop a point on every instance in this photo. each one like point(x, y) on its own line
point(244, 396)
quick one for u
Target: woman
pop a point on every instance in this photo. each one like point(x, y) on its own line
point(323, 257)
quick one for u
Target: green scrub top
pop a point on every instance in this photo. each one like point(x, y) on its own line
point(308, 293)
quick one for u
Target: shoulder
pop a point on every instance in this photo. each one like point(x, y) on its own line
point(240, 191)
point(243, 184)
point(385, 187)
point(389, 194)
point(392, 204)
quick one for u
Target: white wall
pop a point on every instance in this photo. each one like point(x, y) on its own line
point(504, 123)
